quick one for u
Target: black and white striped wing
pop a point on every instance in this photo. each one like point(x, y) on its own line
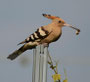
point(38, 35)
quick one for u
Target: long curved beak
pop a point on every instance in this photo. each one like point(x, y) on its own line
point(77, 30)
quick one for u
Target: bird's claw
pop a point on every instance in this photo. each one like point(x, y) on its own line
point(46, 44)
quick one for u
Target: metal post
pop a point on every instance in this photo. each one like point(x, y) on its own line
point(40, 55)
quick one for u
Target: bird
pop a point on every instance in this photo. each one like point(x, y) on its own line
point(44, 35)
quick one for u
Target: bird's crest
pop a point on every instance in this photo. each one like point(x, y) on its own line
point(50, 16)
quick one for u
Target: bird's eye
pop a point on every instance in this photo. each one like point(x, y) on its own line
point(59, 21)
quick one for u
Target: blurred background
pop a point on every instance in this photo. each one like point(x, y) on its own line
point(20, 18)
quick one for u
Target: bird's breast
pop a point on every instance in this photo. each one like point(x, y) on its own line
point(54, 36)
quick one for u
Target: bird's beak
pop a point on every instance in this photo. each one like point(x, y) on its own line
point(77, 30)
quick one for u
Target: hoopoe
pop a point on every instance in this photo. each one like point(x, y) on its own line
point(44, 35)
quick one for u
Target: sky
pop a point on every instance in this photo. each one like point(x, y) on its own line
point(20, 18)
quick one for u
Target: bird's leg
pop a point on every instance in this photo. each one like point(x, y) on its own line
point(42, 48)
point(46, 44)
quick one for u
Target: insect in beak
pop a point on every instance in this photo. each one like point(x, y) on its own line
point(77, 30)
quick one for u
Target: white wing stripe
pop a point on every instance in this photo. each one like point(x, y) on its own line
point(42, 33)
point(36, 35)
point(32, 37)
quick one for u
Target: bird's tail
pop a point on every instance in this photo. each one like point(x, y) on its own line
point(22, 49)
point(16, 53)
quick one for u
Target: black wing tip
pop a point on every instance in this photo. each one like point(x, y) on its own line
point(18, 44)
point(21, 42)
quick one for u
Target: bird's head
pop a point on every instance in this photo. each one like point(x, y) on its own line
point(60, 22)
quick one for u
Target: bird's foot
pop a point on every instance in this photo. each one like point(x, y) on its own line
point(46, 44)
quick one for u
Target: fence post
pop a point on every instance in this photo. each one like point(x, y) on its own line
point(40, 58)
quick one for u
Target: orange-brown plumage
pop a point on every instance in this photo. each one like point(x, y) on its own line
point(45, 34)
